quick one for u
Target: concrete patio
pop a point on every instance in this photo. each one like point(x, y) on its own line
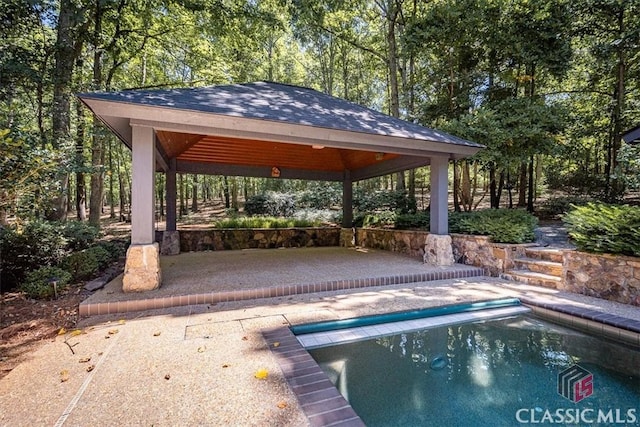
point(197, 364)
point(222, 276)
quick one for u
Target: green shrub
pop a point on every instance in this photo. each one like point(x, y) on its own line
point(418, 220)
point(37, 244)
point(555, 207)
point(271, 204)
point(604, 228)
point(381, 219)
point(38, 283)
point(321, 196)
point(79, 235)
point(81, 265)
point(383, 200)
point(103, 256)
point(116, 248)
point(265, 222)
point(503, 225)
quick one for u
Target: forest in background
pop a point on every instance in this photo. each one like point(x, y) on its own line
point(548, 86)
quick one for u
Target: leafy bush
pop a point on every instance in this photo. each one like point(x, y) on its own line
point(38, 283)
point(503, 225)
point(103, 256)
point(37, 244)
point(79, 235)
point(271, 204)
point(265, 222)
point(81, 265)
point(383, 200)
point(604, 228)
point(382, 219)
point(419, 220)
point(318, 216)
point(555, 207)
point(321, 196)
point(114, 248)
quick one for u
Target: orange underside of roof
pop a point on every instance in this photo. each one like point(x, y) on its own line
point(247, 152)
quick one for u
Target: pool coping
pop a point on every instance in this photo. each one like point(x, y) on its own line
point(610, 325)
point(324, 406)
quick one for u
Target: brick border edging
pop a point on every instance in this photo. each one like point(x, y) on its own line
point(94, 309)
point(320, 400)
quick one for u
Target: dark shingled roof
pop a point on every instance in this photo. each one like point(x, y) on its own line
point(632, 136)
point(281, 103)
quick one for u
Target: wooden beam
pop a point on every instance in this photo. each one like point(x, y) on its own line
point(385, 167)
point(255, 171)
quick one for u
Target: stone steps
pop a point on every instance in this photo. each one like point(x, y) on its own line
point(551, 268)
point(540, 266)
point(546, 254)
point(533, 278)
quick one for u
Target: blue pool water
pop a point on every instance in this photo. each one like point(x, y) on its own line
point(500, 372)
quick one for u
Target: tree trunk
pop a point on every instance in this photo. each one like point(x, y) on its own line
point(67, 49)
point(494, 200)
point(225, 190)
point(522, 186)
point(531, 187)
point(234, 193)
point(456, 187)
point(194, 191)
point(97, 143)
point(467, 200)
point(81, 212)
point(183, 204)
point(112, 209)
point(614, 184)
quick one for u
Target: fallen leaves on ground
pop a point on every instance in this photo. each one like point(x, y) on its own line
point(276, 344)
point(167, 377)
point(64, 376)
point(85, 359)
point(261, 374)
point(202, 349)
point(225, 365)
point(157, 333)
point(91, 368)
point(282, 404)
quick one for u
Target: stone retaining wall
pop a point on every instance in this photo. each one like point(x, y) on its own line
point(478, 251)
point(230, 239)
point(612, 277)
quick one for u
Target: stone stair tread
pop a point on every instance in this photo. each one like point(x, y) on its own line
point(529, 260)
point(534, 275)
point(545, 249)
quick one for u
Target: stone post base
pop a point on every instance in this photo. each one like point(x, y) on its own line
point(438, 250)
point(347, 237)
point(142, 268)
point(170, 243)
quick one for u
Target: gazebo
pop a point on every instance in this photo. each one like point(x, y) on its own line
point(263, 129)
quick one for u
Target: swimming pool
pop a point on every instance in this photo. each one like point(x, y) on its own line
point(511, 370)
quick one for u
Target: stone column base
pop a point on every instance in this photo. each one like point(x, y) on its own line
point(142, 268)
point(438, 250)
point(170, 243)
point(347, 237)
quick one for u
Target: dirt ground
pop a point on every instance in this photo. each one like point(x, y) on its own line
point(26, 324)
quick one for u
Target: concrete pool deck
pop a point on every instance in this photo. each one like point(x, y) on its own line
point(197, 364)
